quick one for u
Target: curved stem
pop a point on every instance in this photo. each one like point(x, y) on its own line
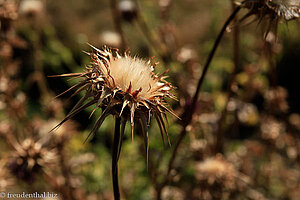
point(210, 57)
point(218, 146)
point(115, 159)
point(191, 110)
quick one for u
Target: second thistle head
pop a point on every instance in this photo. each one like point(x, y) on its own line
point(284, 9)
point(272, 10)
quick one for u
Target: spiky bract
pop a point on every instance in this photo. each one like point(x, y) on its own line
point(123, 86)
point(285, 9)
point(272, 11)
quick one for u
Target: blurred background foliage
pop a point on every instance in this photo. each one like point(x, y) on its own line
point(260, 158)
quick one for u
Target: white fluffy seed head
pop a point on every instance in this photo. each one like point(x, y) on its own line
point(126, 87)
point(136, 72)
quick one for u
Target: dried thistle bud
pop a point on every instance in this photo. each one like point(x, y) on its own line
point(284, 9)
point(110, 38)
point(272, 10)
point(125, 87)
point(128, 10)
point(8, 13)
point(8, 10)
point(29, 158)
point(216, 175)
point(31, 8)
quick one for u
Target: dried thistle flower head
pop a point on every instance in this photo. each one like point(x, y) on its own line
point(111, 38)
point(122, 86)
point(285, 9)
point(29, 158)
point(216, 176)
point(31, 8)
point(273, 10)
point(8, 10)
point(128, 10)
point(214, 167)
point(8, 13)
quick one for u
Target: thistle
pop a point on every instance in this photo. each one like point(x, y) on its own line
point(29, 158)
point(273, 10)
point(125, 87)
point(285, 9)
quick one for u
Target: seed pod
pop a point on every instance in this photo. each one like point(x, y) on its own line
point(128, 10)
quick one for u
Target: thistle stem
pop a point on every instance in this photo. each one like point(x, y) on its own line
point(191, 110)
point(115, 159)
point(210, 57)
point(219, 142)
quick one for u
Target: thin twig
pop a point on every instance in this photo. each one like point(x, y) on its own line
point(219, 142)
point(115, 159)
point(191, 110)
point(210, 57)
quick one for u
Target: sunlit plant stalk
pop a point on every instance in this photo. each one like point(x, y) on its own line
point(191, 110)
point(274, 10)
point(219, 139)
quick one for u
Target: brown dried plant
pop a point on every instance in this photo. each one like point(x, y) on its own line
point(125, 87)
